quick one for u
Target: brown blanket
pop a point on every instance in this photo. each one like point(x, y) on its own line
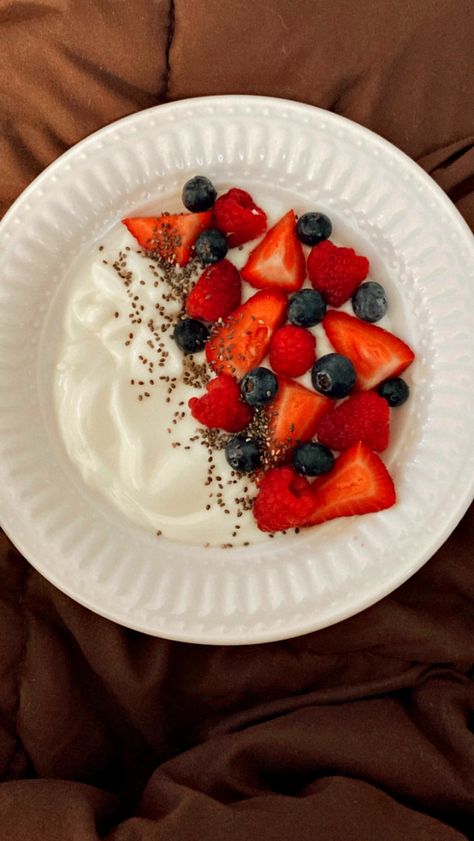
point(360, 731)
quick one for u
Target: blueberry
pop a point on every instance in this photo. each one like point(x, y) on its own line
point(242, 454)
point(333, 375)
point(306, 308)
point(312, 228)
point(312, 459)
point(395, 391)
point(259, 386)
point(190, 335)
point(369, 302)
point(199, 194)
point(211, 246)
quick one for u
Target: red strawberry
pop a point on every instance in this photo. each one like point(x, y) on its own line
point(284, 500)
point(358, 484)
point(363, 417)
point(292, 351)
point(375, 353)
point(222, 406)
point(216, 294)
point(243, 340)
point(238, 217)
point(172, 237)
point(278, 260)
point(293, 415)
point(336, 272)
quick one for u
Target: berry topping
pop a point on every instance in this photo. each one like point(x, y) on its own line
point(306, 308)
point(394, 391)
point(293, 416)
point(238, 217)
point(211, 246)
point(216, 294)
point(292, 351)
point(259, 386)
point(363, 417)
point(221, 407)
point(369, 302)
point(375, 353)
point(243, 454)
point(198, 194)
point(284, 500)
point(190, 335)
point(312, 228)
point(172, 237)
point(278, 260)
point(312, 459)
point(336, 272)
point(333, 375)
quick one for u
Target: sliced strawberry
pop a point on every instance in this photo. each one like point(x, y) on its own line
point(278, 260)
point(294, 415)
point(375, 353)
point(244, 338)
point(358, 484)
point(172, 237)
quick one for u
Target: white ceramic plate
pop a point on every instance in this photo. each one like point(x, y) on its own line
point(419, 247)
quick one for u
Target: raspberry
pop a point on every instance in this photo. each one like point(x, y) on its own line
point(292, 351)
point(221, 407)
point(336, 272)
point(216, 294)
point(238, 217)
point(364, 417)
point(284, 500)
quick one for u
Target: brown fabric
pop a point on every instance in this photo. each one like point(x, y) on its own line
point(358, 732)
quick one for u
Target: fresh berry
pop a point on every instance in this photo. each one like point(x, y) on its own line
point(216, 294)
point(243, 454)
point(198, 194)
point(394, 391)
point(259, 386)
point(333, 375)
point(293, 416)
point(336, 272)
point(190, 335)
point(284, 500)
point(278, 260)
point(312, 459)
point(238, 217)
point(306, 308)
point(211, 246)
point(369, 302)
point(221, 407)
point(243, 340)
point(292, 351)
point(363, 417)
point(312, 228)
point(171, 237)
point(375, 353)
point(358, 484)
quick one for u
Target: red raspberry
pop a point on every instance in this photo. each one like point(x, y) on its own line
point(216, 294)
point(237, 216)
point(284, 500)
point(222, 406)
point(292, 351)
point(364, 417)
point(336, 272)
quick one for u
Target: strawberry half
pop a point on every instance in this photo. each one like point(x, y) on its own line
point(294, 415)
point(359, 483)
point(278, 260)
point(375, 353)
point(172, 237)
point(244, 338)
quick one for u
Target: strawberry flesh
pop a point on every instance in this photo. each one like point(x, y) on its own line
point(172, 236)
point(293, 416)
point(278, 260)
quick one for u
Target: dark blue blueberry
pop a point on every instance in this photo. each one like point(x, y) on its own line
point(312, 228)
point(211, 246)
point(259, 386)
point(333, 375)
point(369, 302)
point(312, 459)
point(190, 335)
point(306, 308)
point(199, 194)
point(243, 454)
point(395, 391)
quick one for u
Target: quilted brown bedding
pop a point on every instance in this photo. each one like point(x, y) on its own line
point(358, 732)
